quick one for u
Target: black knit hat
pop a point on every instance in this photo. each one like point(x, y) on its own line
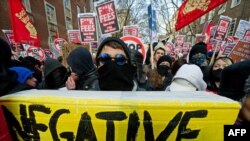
point(115, 39)
point(80, 61)
point(163, 59)
point(233, 80)
point(5, 52)
point(198, 48)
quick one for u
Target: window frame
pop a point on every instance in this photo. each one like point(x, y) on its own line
point(222, 8)
point(26, 4)
point(209, 15)
point(203, 19)
point(234, 4)
point(66, 17)
point(55, 20)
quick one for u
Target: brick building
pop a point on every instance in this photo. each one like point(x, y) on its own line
point(236, 9)
point(48, 17)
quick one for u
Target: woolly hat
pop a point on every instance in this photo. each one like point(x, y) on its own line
point(51, 65)
point(121, 42)
point(80, 61)
point(193, 74)
point(161, 46)
point(163, 59)
point(233, 79)
point(198, 48)
point(22, 74)
point(5, 52)
point(136, 57)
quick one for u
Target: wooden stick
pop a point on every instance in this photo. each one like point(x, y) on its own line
point(213, 57)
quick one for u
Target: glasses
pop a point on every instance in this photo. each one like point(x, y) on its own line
point(105, 58)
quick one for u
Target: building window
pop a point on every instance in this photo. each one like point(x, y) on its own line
point(51, 13)
point(211, 14)
point(232, 27)
point(51, 22)
point(67, 11)
point(78, 9)
point(203, 18)
point(26, 4)
point(235, 3)
point(222, 8)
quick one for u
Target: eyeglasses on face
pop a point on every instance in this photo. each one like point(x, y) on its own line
point(104, 58)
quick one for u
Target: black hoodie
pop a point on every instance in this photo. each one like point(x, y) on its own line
point(81, 63)
point(53, 80)
point(8, 83)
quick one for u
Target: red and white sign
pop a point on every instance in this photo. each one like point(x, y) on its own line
point(200, 38)
point(58, 43)
point(10, 37)
point(247, 36)
point(36, 52)
point(229, 39)
point(135, 43)
point(48, 53)
point(227, 48)
point(107, 16)
point(169, 45)
point(179, 40)
point(88, 27)
point(131, 30)
point(74, 36)
point(222, 28)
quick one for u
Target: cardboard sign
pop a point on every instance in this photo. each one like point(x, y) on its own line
point(15, 46)
point(131, 30)
point(58, 43)
point(117, 116)
point(186, 47)
point(88, 29)
point(247, 36)
point(222, 28)
point(107, 17)
point(200, 38)
point(135, 43)
point(48, 53)
point(242, 28)
point(228, 48)
point(229, 39)
point(169, 47)
point(241, 51)
point(179, 40)
point(74, 36)
point(36, 52)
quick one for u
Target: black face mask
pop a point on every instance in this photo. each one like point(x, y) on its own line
point(163, 70)
point(56, 79)
point(216, 75)
point(114, 77)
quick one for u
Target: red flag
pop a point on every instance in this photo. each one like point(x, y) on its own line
point(24, 30)
point(191, 10)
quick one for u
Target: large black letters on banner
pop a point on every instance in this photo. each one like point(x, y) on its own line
point(28, 128)
point(110, 117)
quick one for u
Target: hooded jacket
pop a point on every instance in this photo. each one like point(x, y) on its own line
point(81, 63)
point(8, 81)
point(50, 66)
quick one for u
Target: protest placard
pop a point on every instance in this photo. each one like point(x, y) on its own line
point(88, 29)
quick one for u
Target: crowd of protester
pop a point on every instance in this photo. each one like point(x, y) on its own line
point(118, 68)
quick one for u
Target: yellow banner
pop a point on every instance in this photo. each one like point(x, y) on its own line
point(117, 116)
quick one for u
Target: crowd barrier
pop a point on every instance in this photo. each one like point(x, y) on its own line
point(117, 116)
